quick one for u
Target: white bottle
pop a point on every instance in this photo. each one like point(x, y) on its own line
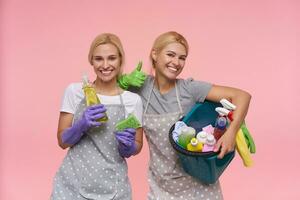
point(201, 137)
point(210, 143)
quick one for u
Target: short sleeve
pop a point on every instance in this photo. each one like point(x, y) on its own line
point(70, 99)
point(138, 109)
point(133, 105)
point(198, 89)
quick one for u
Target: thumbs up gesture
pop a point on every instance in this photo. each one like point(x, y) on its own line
point(135, 79)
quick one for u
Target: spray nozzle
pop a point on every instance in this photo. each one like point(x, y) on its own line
point(227, 109)
point(85, 79)
point(227, 104)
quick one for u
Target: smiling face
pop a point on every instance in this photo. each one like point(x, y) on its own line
point(170, 61)
point(106, 61)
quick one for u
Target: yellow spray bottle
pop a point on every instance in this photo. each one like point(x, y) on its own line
point(91, 95)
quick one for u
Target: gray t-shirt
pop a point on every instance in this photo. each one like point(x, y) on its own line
point(190, 92)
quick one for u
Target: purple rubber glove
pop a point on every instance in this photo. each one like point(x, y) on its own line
point(126, 142)
point(88, 119)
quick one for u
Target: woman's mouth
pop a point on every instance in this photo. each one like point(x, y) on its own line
point(106, 72)
point(173, 69)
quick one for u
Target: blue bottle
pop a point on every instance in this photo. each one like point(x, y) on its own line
point(220, 127)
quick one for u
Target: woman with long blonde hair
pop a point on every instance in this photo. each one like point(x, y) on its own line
point(166, 99)
point(95, 165)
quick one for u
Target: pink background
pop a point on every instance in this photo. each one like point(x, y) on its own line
point(252, 45)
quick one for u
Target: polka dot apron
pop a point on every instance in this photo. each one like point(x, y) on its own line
point(167, 179)
point(93, 168)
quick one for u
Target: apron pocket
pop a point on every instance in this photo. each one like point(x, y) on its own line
point(99, 185)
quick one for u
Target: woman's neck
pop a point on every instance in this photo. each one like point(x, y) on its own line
point(163, 84)
point(110, 88)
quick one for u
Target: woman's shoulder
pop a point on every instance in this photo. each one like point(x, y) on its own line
point(145, 86)
point(131, 99)
point(74, 89)
point(194, 88)
point(74, 86)
point(131, 95)
point(190, 82)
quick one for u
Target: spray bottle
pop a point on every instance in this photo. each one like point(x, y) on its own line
point(220, 127)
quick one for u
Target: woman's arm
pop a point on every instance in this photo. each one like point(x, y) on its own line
point(65, 121)
point(139, 140)
point(239, 98)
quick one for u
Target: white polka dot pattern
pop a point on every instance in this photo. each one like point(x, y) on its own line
point(93, 168)
point(166, 177)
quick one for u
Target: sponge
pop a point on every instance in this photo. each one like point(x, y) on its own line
point(130, 122)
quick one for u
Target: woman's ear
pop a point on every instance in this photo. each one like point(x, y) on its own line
point(92, 60)
point(154, 55)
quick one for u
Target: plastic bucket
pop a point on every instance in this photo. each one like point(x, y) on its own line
point(204, 166)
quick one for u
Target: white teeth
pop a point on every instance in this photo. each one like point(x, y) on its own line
point(106, 72)
point(173, 69)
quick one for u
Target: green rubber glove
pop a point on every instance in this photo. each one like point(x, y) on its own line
point(248, 137)
point(136, 78)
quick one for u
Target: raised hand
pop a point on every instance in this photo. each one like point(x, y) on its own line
point(136, 78)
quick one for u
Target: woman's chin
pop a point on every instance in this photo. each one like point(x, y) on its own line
point(107, 79)
point(171, 76)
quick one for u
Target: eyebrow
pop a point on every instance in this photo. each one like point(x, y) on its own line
point(170, 51)
point(108, 55)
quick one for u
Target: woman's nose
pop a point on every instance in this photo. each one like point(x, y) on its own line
point(105, 64)
point(175, 61)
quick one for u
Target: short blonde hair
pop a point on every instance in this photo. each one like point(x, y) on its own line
point(106, 38)
point(167, 38)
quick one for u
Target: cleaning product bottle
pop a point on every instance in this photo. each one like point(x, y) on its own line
point(194, 145)
point(220, 127)
point(210, 143)
point(91, 95)
point(186, 134)
point(177, 130)
point(201, 137)
point(225, 112)
point(227, 104)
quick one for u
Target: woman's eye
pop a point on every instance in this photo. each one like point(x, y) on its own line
point(112, 58)
point(170, 54)
point(98, 58)
point(182, 58)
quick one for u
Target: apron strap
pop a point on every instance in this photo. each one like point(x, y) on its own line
point(122, 102)
point(177, 97)
point(148, 99)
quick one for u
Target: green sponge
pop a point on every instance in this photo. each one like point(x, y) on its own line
point(130, 122)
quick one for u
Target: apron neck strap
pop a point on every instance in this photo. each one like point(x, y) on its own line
point(121, 101)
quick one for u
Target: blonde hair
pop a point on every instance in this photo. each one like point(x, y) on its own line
point(107, 38)
point(165, 39)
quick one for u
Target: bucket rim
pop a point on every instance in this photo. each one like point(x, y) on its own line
point(181, 150)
